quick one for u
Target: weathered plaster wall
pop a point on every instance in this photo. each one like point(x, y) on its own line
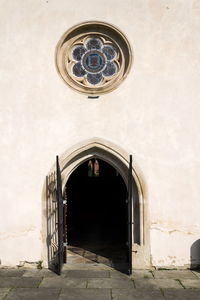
point(154, 115)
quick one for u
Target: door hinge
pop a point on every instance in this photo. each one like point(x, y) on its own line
point(65, 244)
point(65, 202)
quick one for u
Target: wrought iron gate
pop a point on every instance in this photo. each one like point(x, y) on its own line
point(55, 220)
point(130, 214)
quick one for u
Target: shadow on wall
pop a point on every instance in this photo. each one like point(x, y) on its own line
point(195, 255)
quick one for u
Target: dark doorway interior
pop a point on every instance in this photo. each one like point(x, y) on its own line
point(97, 215)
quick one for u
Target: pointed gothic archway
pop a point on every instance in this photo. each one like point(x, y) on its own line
point(97, 229)
point(117, 159)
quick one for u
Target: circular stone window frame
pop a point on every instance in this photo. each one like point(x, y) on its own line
point(99, 30)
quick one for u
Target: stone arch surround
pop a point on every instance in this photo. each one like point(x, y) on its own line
point(119, 159)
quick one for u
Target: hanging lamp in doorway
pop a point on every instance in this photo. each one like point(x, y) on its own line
point(90, 169)
point(96, 168)
point(93, 168)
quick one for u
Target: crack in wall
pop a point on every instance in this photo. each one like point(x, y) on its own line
point(171, 231)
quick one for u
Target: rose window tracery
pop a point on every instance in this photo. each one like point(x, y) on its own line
point(93, 58)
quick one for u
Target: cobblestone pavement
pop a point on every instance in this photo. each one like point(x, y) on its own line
point(98, 282)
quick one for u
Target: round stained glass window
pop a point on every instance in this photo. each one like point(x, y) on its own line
point(93, 58)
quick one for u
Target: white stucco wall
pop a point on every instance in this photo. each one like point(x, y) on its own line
point(154, 115)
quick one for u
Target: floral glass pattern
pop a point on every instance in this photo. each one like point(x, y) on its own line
point(94, 60)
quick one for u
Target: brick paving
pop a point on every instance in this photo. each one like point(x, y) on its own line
point(98, 282)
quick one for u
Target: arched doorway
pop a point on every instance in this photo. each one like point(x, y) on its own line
point(116, 158)
point(97, 215)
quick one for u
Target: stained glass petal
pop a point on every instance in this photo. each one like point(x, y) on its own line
point(94, 78)
point(94, 43)
point(78, 70)
point(78, 52)
point(110, 69)
point(109, 52)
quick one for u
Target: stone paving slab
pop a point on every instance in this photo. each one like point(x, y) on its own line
point(191, 284)
point(85, 294)
point(104, 260)
point(77, 260)
point(11, 273)
point(17, 282)
point(87, 274)
point(33, 294)
point(157, 284)
point(3, 292)
point(60, 282)
point(99, 283)
point(196, 273)
point(176, 294)
point(116, 274)
point(141, 274)
point(78, 251)
point(131, 294)
point(90, 255)
point(110, 283)
point(92, 266)
point(40, 273)
point(175, 274)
